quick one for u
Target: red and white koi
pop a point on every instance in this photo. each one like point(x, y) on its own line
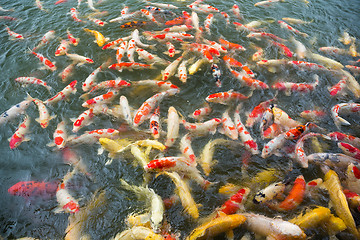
point(290, 28)
point(90, 80)
point(245, 137)
point(66, 202)
point(353, 178)
point(283, 119)
point(8, 18)
point(20, 134)
point(273, 145)
point(203, 128)
point(131, 50)
point(44, 116)
point(345, 107)
point(208, 21)
point(349, 149)
point(84, 119)
point(149, 57)
point(231, 62)
point(74, 41)
point(147, 107)
point(78, 59)
point(235, 203)
point(161, 85)
point(272, 131)
point(182, 72)
point(114, 84)
point(334, 50)
point(97, 21)
point(267, 119)
point(338, 136)
point(242, 27)
point(283, 48)
point(306, 65)
point(289, 87)
point(13, 35)
point(116, 42)
point(149, 16)
point(171, 69)
point(236, 11)
point(74, 14)
point(180, 28)
point(339, 88)
point(154, 125)
point(198, 114)
point(248, 81)
point(230, 45)
point(215, 47)
point(187, 151)
point(267, 3)
point(47, 63)
point(259, 35)
point(67, 72)
point(171, 49)
point(59, 136)
point(69, 89)
point(129, 66)
point(15, 110)
point(93, 136)
point(121, 50)
point(226, 16)
point(136, 37)
point(313, 115)
point(173, 125)
point(195, 21)
point(45, 39)
point(32, 80)
point(62, 48)
point(104, 98)
point(272, 65)
point(257, 113)
point(228, 126)
point(225, 97)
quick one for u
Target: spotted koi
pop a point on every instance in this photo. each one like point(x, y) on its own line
point(349, 149)
point(289, 87)
point(345, 107)
point(32, 80)
point(44, 116)
point(230, 45)
point(154, 125)
point(13, 35)
point(248, 81)
point(225, 97)
point(74, 14)
point(20, 134)
point(74, 41)
point(47, 63)
point(69, 89)
point(104, 98)
point(256, 114)
point(236, 11)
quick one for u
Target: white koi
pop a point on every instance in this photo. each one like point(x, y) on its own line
point(173, 125)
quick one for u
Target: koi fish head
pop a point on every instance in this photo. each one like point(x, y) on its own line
point(72, 207)
point(15, 141)
point(73, 84)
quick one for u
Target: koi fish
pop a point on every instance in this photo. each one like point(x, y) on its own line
point(272, 65)
point(265, 35)
point(69, 89)
point(230, 45)
point(66, 202)
point(327, 62)
point(353, 69)
point(172, 127)
point(339, 88)
point(225, 97)
point(47, 63)
point(59, 136)
point(139, 232)
point(289, 87)
point(334, 50)
point(182, 72)
point(20, 134)
point(203, 128)
point(271, 192)
point(91, 137)
point(133, 24)
point(267, 3)
point(171, 69)
point(171, 50)
point(83, 120)
point(283, 48)
point(114, 84)
point(248, 81)
point(45, 39)
point(44, 116)
point(125, 17)
point(256, 114)
point(353, 84)
point(295, 21)
point(283, 119)
point(258, 55)
point(228, 127)
point(129, 66)
point(235, 203)
point(150, 58)
point(198, 114)
point(67, 72)
point(226, 16)
point(100, 39)
point(62, 48)
point(74, 14)
point(338, 136)
point(136, 37)
point(15, 110)
point(273, 145)
point(160, 85)
point(208, 21)
point(186, 149)
point(149, 16)
point(74, 41)
point(347, 108)
point(78, 59)
point(271, 132)
point(162, 5)
point(120, 52)
point(313, 115)
point(131, 50)
point(104, 98)
point(97, 21)
point(353, 178)
point(180, 28)
point(33, 188)
point(32, 80)
point(116, 42)
point(349, 149)
point(249, 143)
point(301, 50)
point(13, 35)
point(346, 38)
point(154, 125)
point(196, 66)
point(287, 26)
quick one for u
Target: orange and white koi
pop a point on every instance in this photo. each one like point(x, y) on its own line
point(236, 11)
point(203, 128)
point(162, 5)
point(15, 110)
point(78, 59)
point(289, 87)
point(120, 51)
point(147, 107)
point(273, 145)
point(149, 16)
point(74, 41)
point(104, 98)
point(131, 50)
point(198, 114)
point(114, 43)
point(345, 107)
point(173, 126)
point(100, 39)
point(225, 97)
point(129, 66)
point(272, 228)
point(171, 69)
point(20, 134)
point(90, 80)
point(215, 47)
point(154, 124)
point(242, 27)
point(62, 48)
point(66, 202)
point(47, 63)
point(208, 21)
point(228, 127)
point(69, 89)
point(231, 62)
point(245, 137)
point(45, 39)
point(179, 20)
point(230, 45)
point(93, 136)
point(13, 35)
point(299, 148)
point(32, 80)
point(44, 116)
point(306, 65)
point(248, 81)
point(226, 16)
point(283, 48)
point(265, 35)
point(84, 119)
point(180, 28)
point(349, 149)
point(272, 131)
point(74, 14)
point(171, 49)
point(125, 10)
point(338, 136)
point(149, 57)
point(313, 115)
point(67, 72)
point(267, 119)
point(334, 50)
point(283, 119)
point(266, 3)
point(59, 136)
point(114, 84)
point(235, 203)
point(353, 178)
point(339, 88)
point(187, 151)
point(161, 85)
point(271, 192)
point(290, 28)
point(97, 21)
point(182, 72)
point(257, 113)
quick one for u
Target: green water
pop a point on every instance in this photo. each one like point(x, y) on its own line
point(32, 160)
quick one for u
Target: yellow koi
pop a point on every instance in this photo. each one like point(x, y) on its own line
point(100, 39)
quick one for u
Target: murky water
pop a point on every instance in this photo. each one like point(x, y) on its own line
point(32, 160)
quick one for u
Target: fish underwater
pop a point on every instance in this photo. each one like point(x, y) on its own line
point(229, 121)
